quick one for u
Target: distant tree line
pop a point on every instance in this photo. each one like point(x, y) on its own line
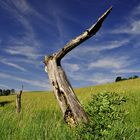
point(119, 78)
point(6, 92)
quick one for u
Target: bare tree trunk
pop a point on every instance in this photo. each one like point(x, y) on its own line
point(69, 104)
point(18, 101)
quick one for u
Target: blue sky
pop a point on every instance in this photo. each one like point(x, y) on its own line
point(31, 29)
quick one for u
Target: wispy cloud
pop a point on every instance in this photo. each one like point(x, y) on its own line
point(102, 70)
point(96, 49)
point(89, 63)
point(3, 86)
point(128, 70)
point(38, 83)
point(90, 58)
point(28, 51)
point(92, 78)
point(105, 46)
point(110, 62)
point(61, 18)
point(21, 7)
point(100, 78)
point(17, 12)
point(132, 25)
point(6, 62)
point(26, 47)
point(21, 11)
point(136, 10)
point(132, 28)
point(71, 67)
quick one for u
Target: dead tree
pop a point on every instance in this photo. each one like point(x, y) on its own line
point(18, 100)
point(69, 104)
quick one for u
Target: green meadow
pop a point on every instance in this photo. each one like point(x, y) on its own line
point(41, 118)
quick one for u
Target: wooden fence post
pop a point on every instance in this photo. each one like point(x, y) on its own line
point(18, 101)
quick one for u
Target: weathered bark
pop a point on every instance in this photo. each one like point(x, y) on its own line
point(18, 101)
point(69, 104)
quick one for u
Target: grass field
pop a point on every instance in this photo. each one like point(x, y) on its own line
point(41, 117)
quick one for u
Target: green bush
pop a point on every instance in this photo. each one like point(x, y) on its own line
point(107, 118)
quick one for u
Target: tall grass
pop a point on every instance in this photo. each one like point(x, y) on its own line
point(41, 118)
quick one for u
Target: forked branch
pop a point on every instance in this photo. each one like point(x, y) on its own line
point(71, 108)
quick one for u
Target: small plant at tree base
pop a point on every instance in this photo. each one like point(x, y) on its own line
point(107, 118)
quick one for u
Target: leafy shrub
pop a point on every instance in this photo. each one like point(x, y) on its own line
point(107, 118)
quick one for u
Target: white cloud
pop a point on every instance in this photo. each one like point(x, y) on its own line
point(16, 12)
point(132, 25)
point(89, 57)
point(21, 7)
point(132, 28)
point(71, 67)
point(128, 70)
point(28, 45)
point(60, 18)
point(27, 51)
point(87, 50)
point(21, 10)
point(100, 78)
point(107, 46)
point(110, 62)
point(136, 10)
point(3, 86)
point(38, 83)
point(92, 78)
point(6, 62)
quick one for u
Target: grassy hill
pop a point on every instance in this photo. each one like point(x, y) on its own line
point(41, 117)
